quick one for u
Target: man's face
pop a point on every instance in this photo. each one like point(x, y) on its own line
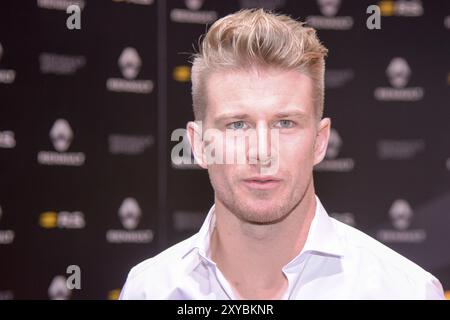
point(263, 102)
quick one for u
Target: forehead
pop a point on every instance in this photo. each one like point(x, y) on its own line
point(259, 91)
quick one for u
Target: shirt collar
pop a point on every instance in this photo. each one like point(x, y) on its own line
point(202, 239)
point(322, 236)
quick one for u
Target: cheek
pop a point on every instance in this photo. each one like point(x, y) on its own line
point(220, 175)
point(296, 152)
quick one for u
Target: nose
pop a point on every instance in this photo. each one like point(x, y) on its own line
point(262, 145)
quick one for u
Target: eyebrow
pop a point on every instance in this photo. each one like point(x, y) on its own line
point(291, 113)
point(226, 116)
point(278, 115)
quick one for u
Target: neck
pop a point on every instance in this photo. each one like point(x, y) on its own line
point(251, 256)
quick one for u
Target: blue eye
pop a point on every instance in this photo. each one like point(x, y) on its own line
point(238, 125)
point(285, 124)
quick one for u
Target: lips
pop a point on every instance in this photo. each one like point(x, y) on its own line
point(262, 183)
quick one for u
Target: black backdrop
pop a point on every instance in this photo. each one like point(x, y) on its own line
point(86, 118)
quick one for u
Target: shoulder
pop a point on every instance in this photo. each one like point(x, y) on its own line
point(160, 271)
point(385, 268)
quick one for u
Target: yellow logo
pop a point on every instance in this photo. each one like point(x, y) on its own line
point(386, 7)
point(447, 294)
point(48, 219)
point(114, 294)
point(182, 73)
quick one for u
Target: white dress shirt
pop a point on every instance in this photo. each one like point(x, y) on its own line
point(337, 262)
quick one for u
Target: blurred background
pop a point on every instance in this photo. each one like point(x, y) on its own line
point(86, 117)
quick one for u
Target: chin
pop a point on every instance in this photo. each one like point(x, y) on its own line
point(262, 212)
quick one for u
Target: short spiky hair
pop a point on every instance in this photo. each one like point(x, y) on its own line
point(255, 37)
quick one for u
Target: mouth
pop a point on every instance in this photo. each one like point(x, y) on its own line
point(262, 183)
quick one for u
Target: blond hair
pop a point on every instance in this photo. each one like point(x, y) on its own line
point(255, 37)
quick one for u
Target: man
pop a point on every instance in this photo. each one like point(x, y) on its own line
point(267, 236)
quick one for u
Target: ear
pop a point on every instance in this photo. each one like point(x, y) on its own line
point(194, 130)
point(321, 143)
